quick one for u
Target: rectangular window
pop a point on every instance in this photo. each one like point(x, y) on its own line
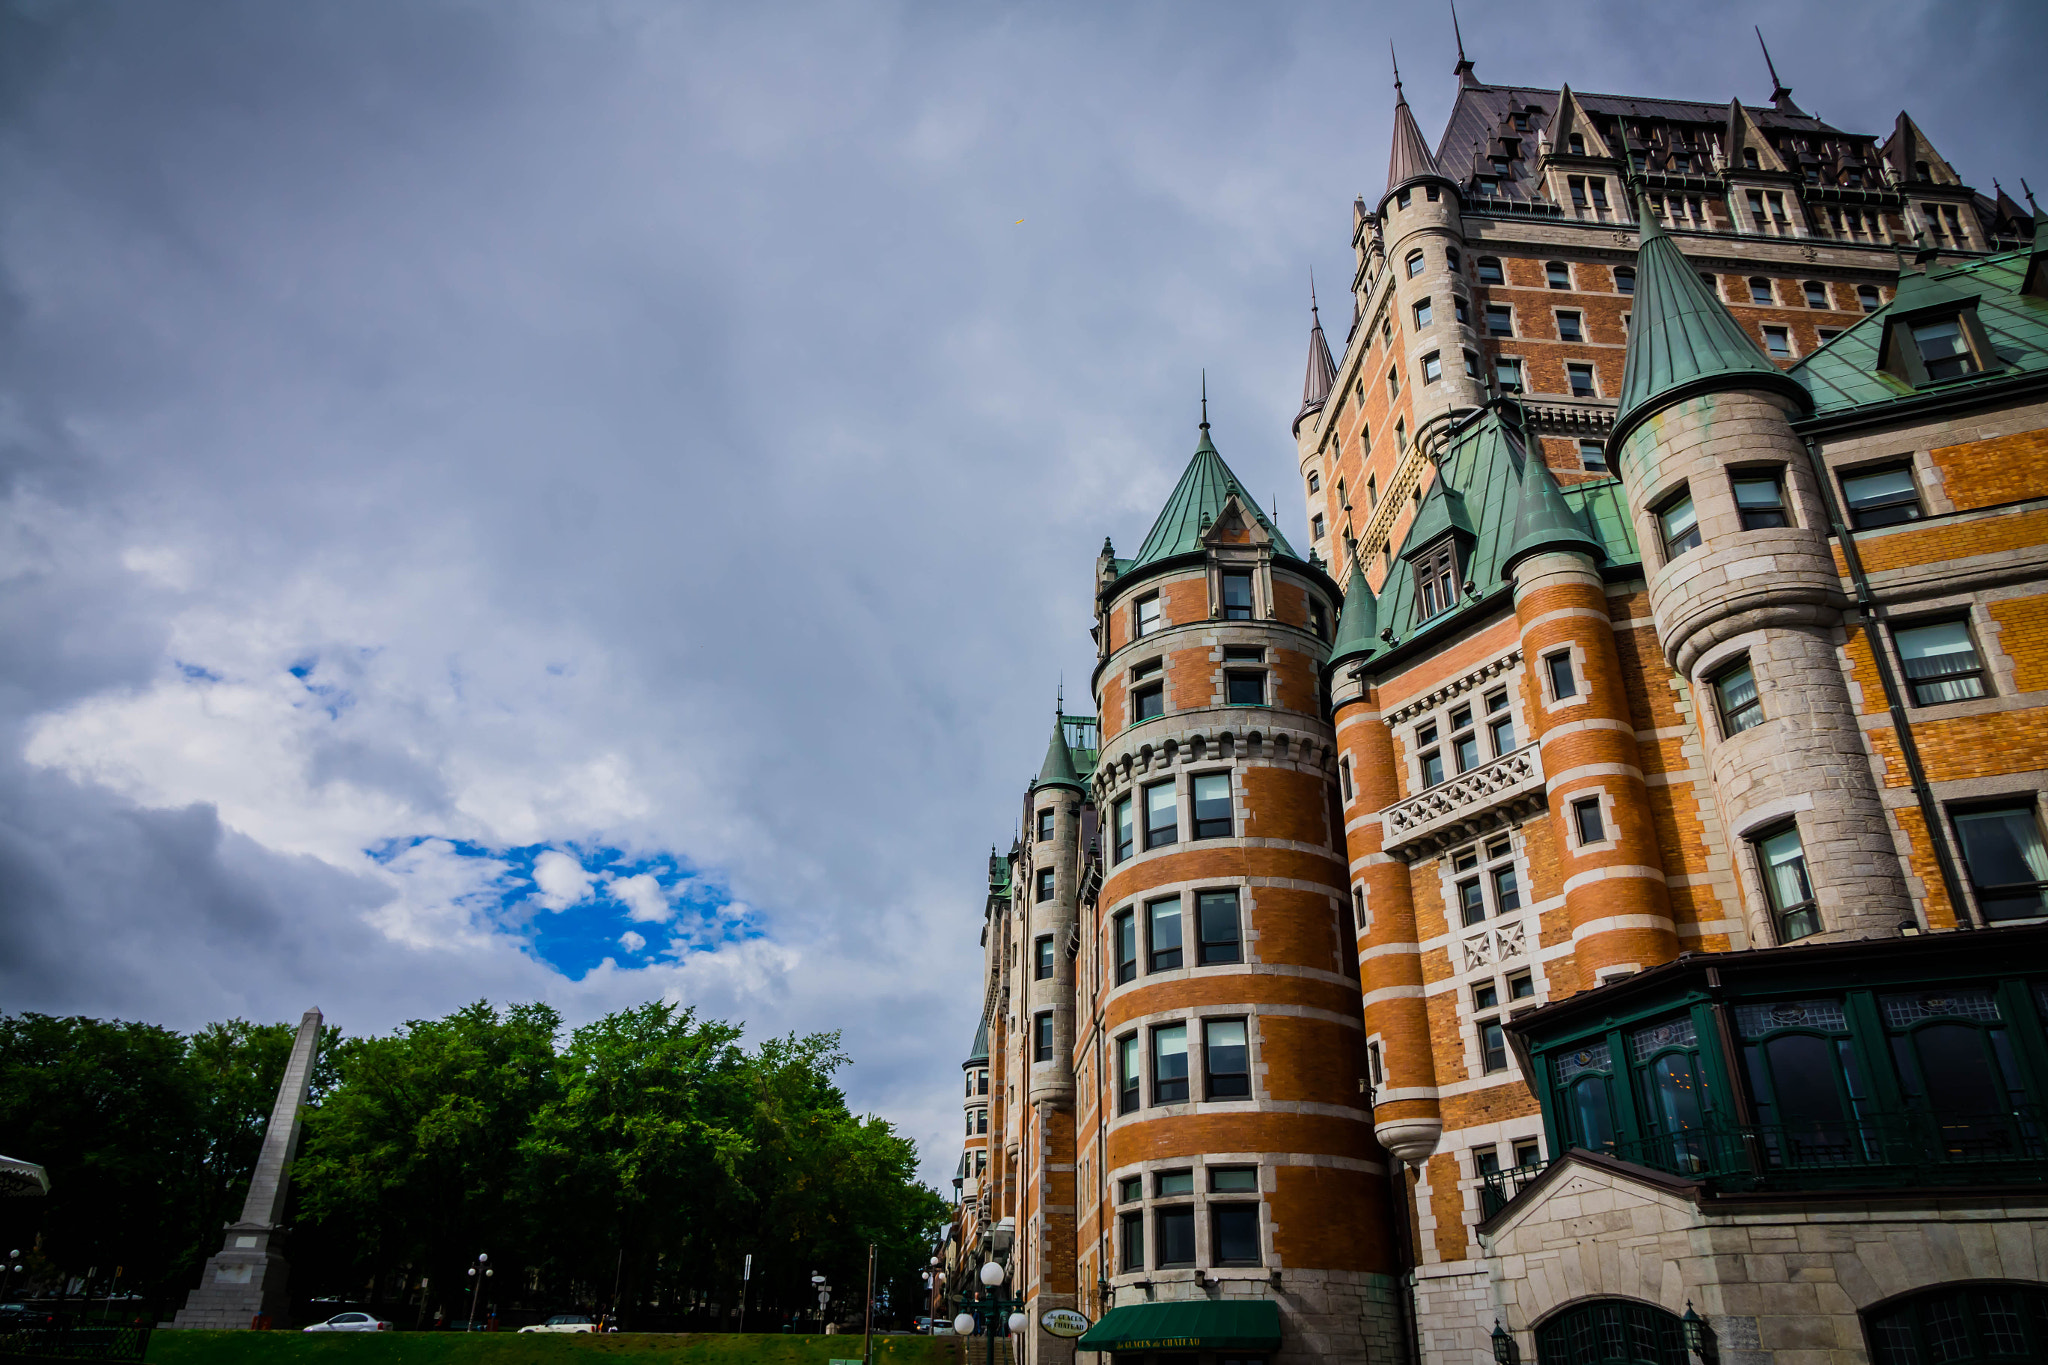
point(1528, 1153)
point(1126, 925)
point(1521, 986)
point(1736, 700)
point(1557, 275)
point(1599, 188)
point(1130, 1189)
point(1316, 528)
point(1593, 456)
point(1778, 341)
point(1045, 883)
point(1941, 662)
point(1760, 499)
point(1344, 780)
point(1679, 526)
point(1427, 756)
point(1217, 912)
point(1170, 1183)
point(1423, 313)
point(1507, 373)
point(1760, 291)
point(1493, 1046)
point(1500, 320)
point(1162, 933)
point(1372, 492)
point(1816, 294)
point(1237, 597)
point(1586, 817)
point(1486, 1160)
point(1041, 948)
point(1563, 683)
point(1233, 1180)
point(1943, 350)
point(1041, 1036)
point(1358, 907)
point(1170, 1064)
point(1791, 895)
point(1489, 270)
point(1375, 1064)
point(1176, 1229)
point(1315, 482)
point(980, 1122)
point(1244, 689)
point(2008, 865)
point(1485, 996)
point(1624, 279)
point(1226, 1060)
point(1471, 902)
point(1213, 817)
point(1147, 614)
point(1234, 1234)
point(1507, 892)
point(1460, 309)
point(1243, 654)
point(1131, 1236)
point(1436, 581)
point(1568, 327)
point(1318, 618)
point(1580, 377)
point(1500, 724)
point(1125, 843)
point(1432, 367)
point(1578, 189)
point(1162, 816)
point(1827, 334)
point(1045, 823)
point(1148, 703)
point(1127, 1082)
point(1881, 497)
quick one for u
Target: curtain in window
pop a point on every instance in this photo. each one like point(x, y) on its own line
point(1942, 662)
point(2003, 846)
point(1785, 869)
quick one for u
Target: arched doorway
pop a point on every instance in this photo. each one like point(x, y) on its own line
point(1961, 1324)
point(1611, 1332)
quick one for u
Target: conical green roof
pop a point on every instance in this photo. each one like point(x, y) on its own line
point(1197, 501)
point(979, 1052)
point(1681, 341)
point(1058, 769)
point(1542, 520)
point(1358, 624)
point(1443, 509)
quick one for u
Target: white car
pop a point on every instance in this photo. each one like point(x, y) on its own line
point(564, 1322)
point(351, 1322)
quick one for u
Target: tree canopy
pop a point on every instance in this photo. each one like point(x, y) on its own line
point(650, 1150)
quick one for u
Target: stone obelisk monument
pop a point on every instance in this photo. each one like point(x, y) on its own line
point(249, 1275)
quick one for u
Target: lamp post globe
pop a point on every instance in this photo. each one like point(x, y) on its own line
point(991, 1274)
point(1018, 1322)
point(964, 1324)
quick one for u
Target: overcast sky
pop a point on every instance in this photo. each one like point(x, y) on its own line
point(592, 501)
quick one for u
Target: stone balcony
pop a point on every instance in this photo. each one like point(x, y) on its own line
point(1488, 797)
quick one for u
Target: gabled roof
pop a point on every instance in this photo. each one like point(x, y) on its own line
point(1571, 117)
point(1481, 464)
point(979, 1051)
point(1198, 501)
point(1058, 768)
point(1908, 145)
point(1322, 370)
point(1744, 131)
point(1681, 339)
point(1843, 376)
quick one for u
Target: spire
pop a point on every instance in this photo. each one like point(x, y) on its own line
point(1359, 621)
point(1197, 502)
point(1322, 370)
point(1410, 160)
point(1058, 768)
point(1781, 93)
point(1543, 520)
point(1681, 340)
point(1463, 70)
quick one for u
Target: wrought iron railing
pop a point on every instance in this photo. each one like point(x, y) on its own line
point(1870, 1150)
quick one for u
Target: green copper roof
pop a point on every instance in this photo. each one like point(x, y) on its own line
point(1680, 339)
point(1197, 501)
point(1543, 521)
point(1482, 466)
point(979, 1052)
point(1058, 768)
point(1359, 623)
point(1443, 509)
point(1843, 375)
point(1086, 754)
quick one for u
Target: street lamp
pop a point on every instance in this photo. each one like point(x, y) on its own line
point(1504, 1350)
point(478, 1273)
point(996, 1315)
point(824, 1297)
point(1694, 1329)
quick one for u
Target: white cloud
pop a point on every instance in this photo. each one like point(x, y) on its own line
point(642, 896)
point(562, 880)
point(631, 941)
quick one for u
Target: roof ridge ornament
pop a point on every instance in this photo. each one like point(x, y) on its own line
point(1463, 70)
point(1781, 93)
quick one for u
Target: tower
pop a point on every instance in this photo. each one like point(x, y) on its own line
point(1748, 605)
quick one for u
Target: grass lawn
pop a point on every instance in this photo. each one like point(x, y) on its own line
point(515, 1348)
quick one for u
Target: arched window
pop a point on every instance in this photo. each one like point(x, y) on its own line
point(1585, 1077)
point(1961, 1325)
point(1920, 171)
point(1956, 1065)
point(1414, 264)
point(1611, 1332)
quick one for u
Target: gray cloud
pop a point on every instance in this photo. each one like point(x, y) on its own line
point(650, 425)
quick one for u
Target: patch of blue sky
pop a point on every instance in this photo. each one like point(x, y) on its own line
point(329, 697)
point(197, 673)
point(576, 905)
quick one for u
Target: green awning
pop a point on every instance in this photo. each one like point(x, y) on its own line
point(1187, 1325)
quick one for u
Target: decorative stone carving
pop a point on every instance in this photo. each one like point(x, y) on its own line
point(1488, 797)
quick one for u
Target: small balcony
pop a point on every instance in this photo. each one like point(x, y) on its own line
point(1495, 793)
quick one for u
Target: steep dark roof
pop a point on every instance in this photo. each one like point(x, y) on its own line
point(1543, 521)
point(1410, 160)
point(1322, 370)
point(1205, 488)
point(1681, 340)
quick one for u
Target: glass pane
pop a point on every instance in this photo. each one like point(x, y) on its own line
point(1882, 486)
point(1223, 1042)
point(1237, 1232)
point(1218, 910)
point(1965, 1094)
point(1586, 1113)
point(1752, 493)
point(1212, 805)
point(1942, 348)
point(1177, 1236)
point(1785, 869)
point(1170, 1051)
point(1507, 892)
point(1739, 708)
point(1941, 659)
point(1754, 1021)
point(1233, 1179)
point(1161, 819)
point(1679, 521)
point(1123, 829)
point(1471, 904)
point(1165, 930)
point(1176, 1182)
point(2003, 850)
point(1677, 1100)
point(1808, 1102)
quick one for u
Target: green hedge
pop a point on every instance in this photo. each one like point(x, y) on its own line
point(541, 1348)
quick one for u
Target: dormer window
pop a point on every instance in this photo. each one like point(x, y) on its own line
point(1943, 350)
point(1749, 161)
point(1237, 597)
point(1576, 144)
point(1436, 580)
point(1521, 123)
